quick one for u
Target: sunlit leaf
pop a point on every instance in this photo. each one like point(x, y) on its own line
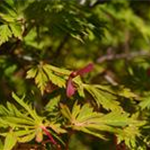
point(5, 33)
point(85, 119)
point(104, 98)
point(16, 30)
point(10, 141)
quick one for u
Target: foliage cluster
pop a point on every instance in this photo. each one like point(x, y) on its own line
point(51, 98)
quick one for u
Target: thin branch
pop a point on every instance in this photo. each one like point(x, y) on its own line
point(110, 57)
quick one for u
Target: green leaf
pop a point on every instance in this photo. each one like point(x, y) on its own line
point(104, 98)
point(16, 30)
point(85, 113)
point(116, 119)
point(145, 102)
point(27, 137)
point(41, 80)
point(75, 110)
point(79, 85)
point(58, 71)
point(13, 111)
point(39, 75)
point(55, 77)
point(126, 92)
point(6, 17)
point(13, 117)
point(3, 124)
point(1, 145)
point(85, 119)
point(5, 34)
point(27, 127)
point(28, 108)
point(10, 141)
point(66, 112)
point(19, 121)
point(53, 103)
point(43, 73)
point(95, 133)
point(57, 127)
point(32, 73)
point(129, 135)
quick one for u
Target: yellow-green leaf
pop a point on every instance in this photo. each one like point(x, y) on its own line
point(5, 34)
point(10, 141)
point(16, 30)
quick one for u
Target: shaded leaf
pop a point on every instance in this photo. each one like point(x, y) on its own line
point(53, 103)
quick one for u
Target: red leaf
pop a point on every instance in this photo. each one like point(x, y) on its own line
point(85, 70)
point(70, 88)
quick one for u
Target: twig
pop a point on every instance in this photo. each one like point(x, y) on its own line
point(110, 57)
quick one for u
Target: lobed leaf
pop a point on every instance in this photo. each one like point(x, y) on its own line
point(43, 73)
point(104, 98)
point(145, 102)
point(85, 119)
point(16, 30)
point(28, 108)
point(5, 33)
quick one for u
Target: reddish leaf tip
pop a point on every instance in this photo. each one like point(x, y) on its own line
point(70, 88)
point(86, 69)
point(49, 135)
